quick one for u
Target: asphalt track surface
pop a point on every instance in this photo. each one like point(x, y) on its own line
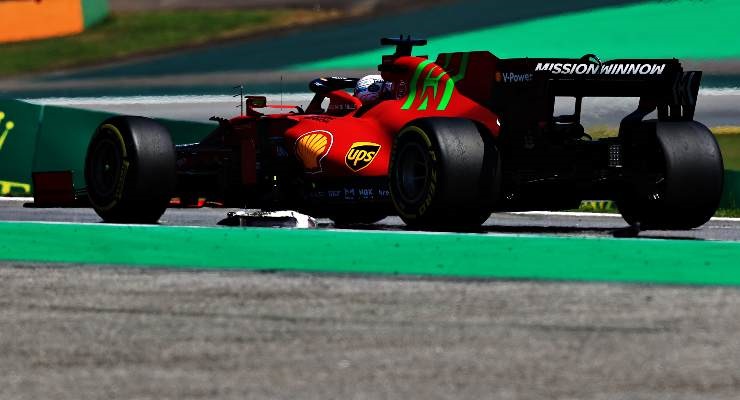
point(534, 223)
point(95, 331)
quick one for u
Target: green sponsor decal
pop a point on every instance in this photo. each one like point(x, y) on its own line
point(432, 82)
point(414, 80)
point(450, 85)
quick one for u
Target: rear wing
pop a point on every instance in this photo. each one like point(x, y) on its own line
point(504, 84)
point(659, 81)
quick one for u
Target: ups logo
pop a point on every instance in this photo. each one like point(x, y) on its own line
point(361, 154)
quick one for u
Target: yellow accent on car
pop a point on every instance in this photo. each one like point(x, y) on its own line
point(124, 168)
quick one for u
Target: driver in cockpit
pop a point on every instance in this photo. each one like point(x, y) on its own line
point(368, 91)
point(371, 89)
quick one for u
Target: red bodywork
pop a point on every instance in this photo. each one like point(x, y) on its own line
point(337, 162)
point(421, 89)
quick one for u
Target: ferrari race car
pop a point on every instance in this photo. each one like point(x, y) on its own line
point(451, 141)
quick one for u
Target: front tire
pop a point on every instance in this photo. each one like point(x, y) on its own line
point(130, 170)
point(677, 175)
point(444, 174)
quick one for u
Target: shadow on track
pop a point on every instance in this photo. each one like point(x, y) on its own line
point(591, 231)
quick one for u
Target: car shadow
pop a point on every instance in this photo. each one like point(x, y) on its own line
point(621, 232)
point(553, 230)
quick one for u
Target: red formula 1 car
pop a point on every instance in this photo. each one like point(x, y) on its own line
point(455, 139)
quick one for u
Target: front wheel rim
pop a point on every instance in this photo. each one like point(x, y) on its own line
point(413, 172)
point(105, 166)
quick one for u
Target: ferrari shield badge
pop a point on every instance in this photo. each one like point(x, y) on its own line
point(361, 154)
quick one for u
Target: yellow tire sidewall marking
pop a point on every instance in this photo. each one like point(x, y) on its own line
point(433, 173)
point(124, 168)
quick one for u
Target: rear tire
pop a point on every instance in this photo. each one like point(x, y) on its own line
point(444, 174)
point(130, 170)
point(677, 175)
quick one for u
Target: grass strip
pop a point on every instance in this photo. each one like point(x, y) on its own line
point(729, 144)
point(125, 34)
point(726, 130)
point(608, 206)
point(389, 253)
point(727, 213)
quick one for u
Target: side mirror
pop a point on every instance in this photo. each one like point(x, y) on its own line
point(255, 102)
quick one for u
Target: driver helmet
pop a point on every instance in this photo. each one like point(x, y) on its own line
point(371, 88)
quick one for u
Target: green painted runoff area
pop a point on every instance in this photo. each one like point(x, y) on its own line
point(683, 29)
point(385, 253)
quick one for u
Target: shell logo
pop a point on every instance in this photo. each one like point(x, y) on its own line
point(312, 147)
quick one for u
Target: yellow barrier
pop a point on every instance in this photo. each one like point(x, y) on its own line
point(14, 188)
point(598, 205)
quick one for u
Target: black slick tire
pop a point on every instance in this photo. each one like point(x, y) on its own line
point(444, 174)
point(676, 175)
point(130, 170)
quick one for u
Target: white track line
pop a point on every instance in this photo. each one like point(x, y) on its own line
point(590, 214)
point(153, 100)
point(543, 213)
point(566, 213)
point(16, 199)
point(227, 98)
